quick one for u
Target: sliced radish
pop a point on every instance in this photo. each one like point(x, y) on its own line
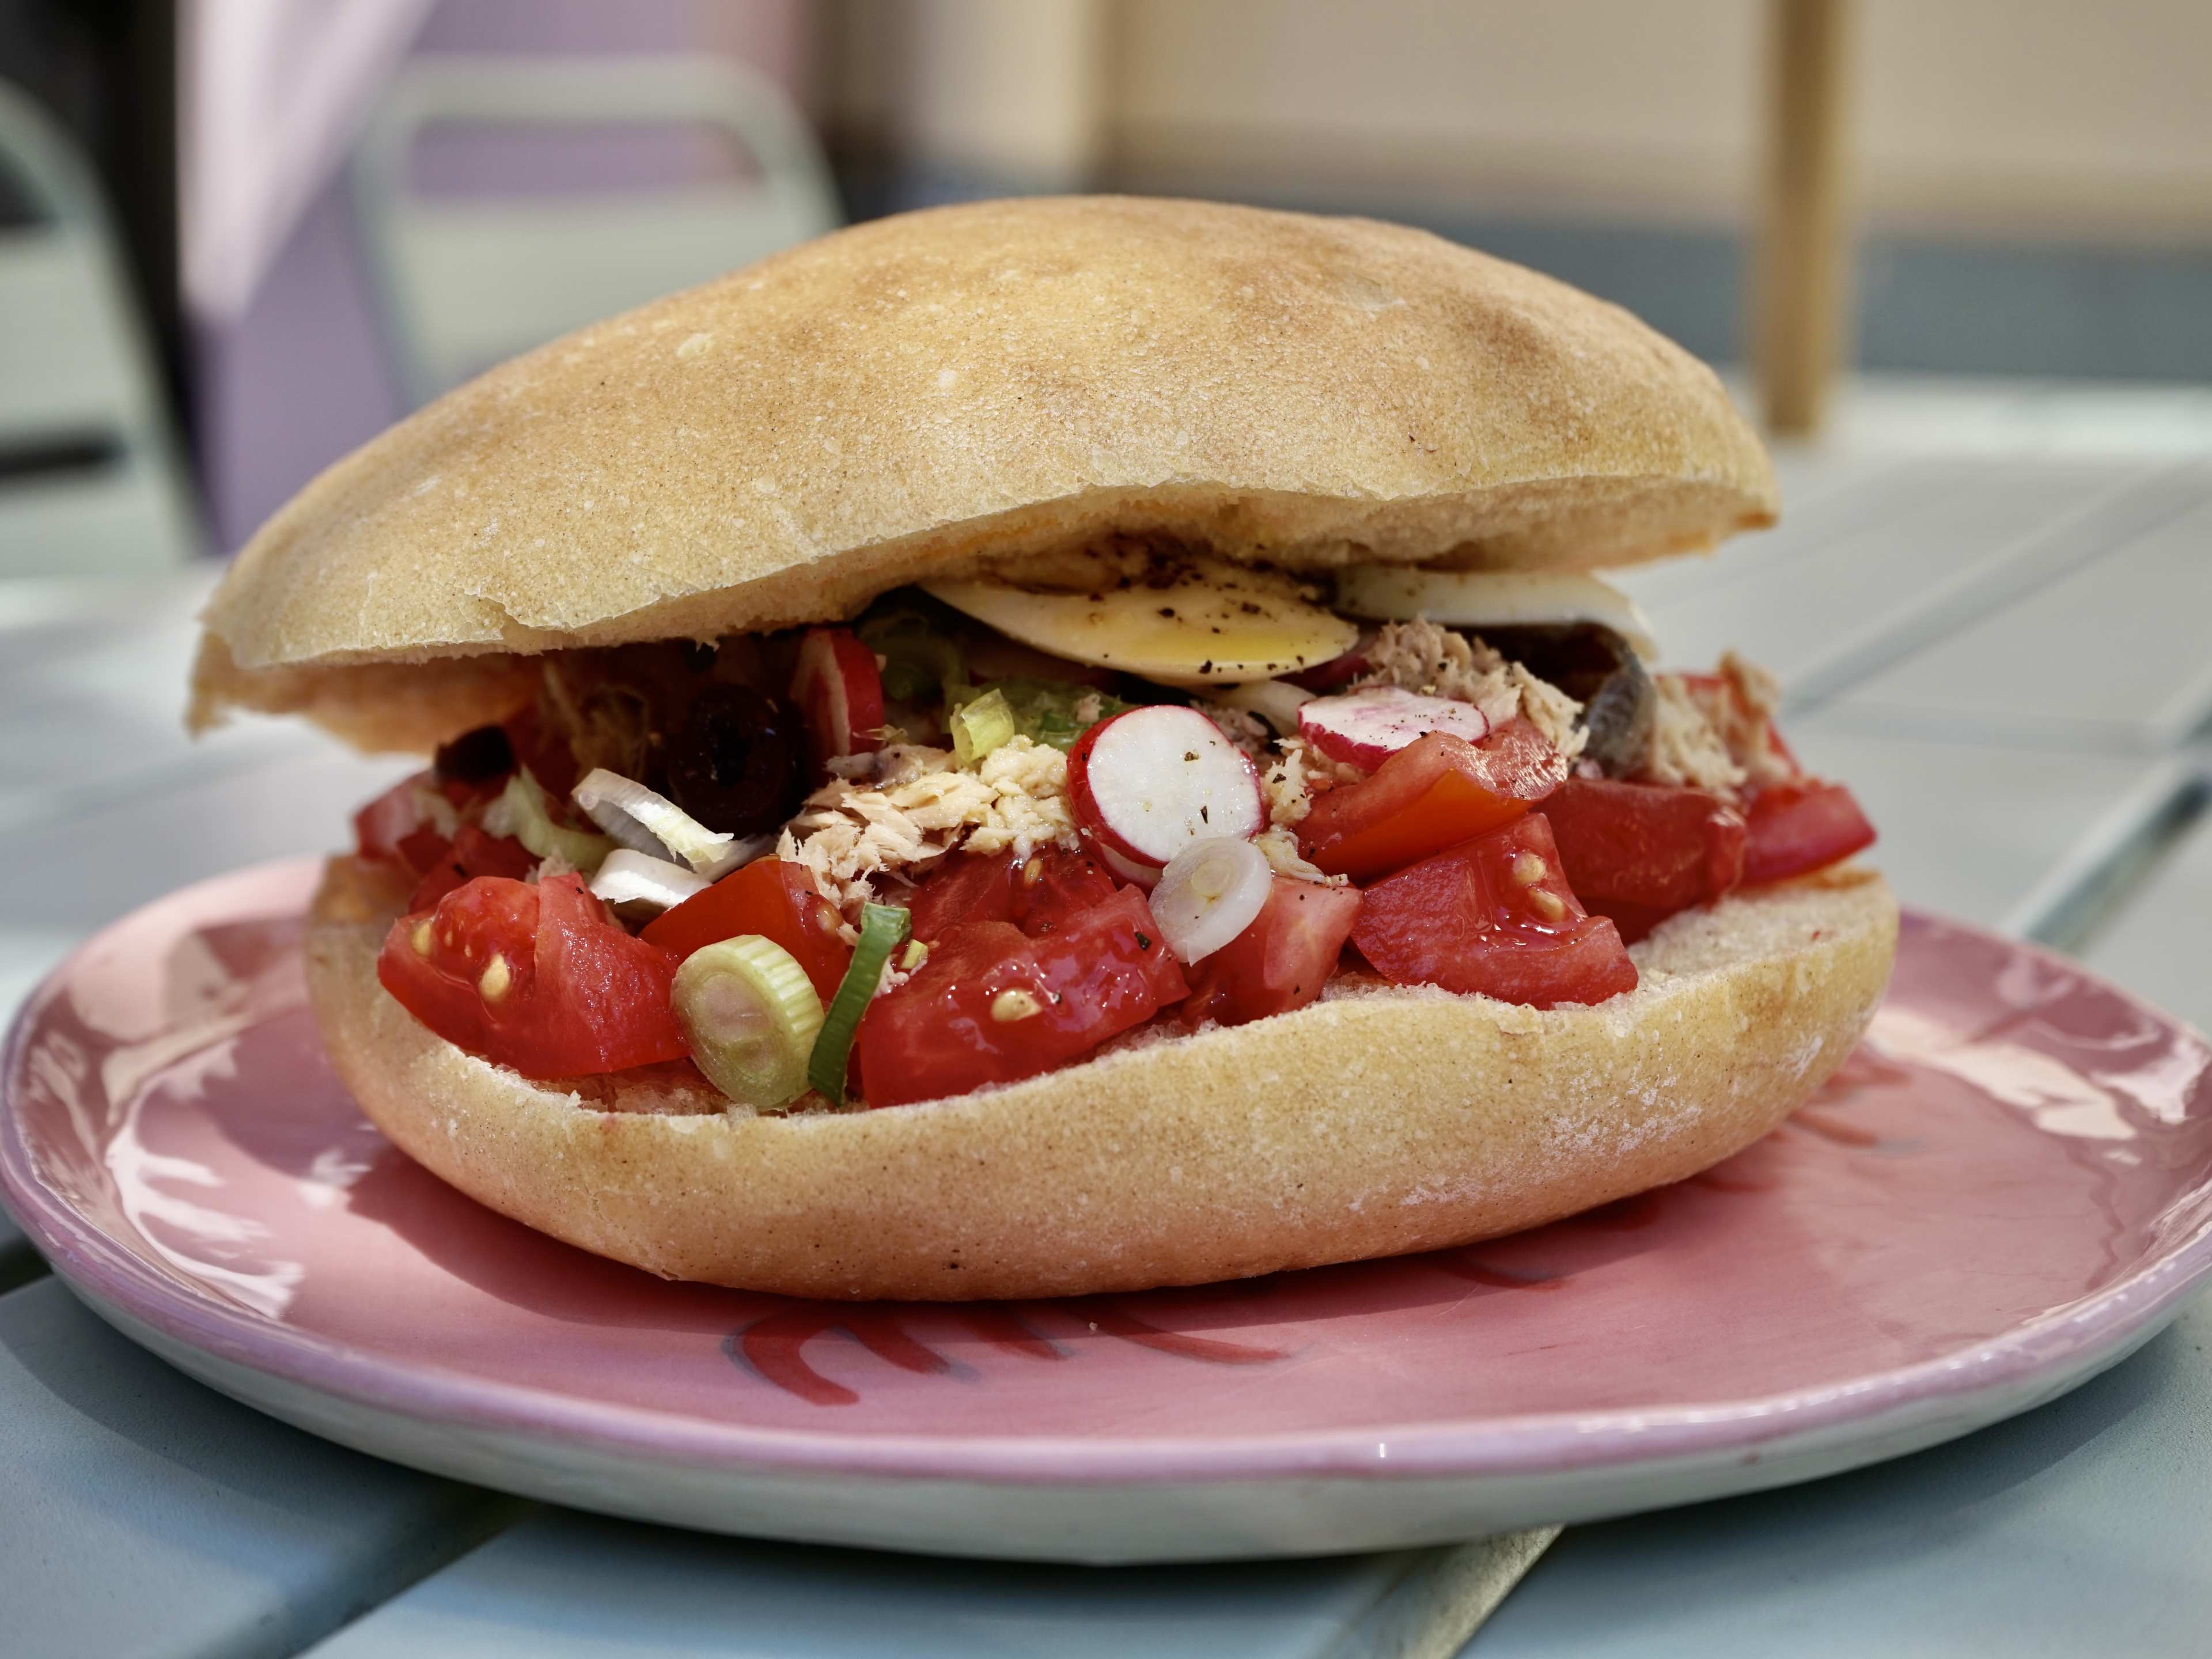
point(1148, 783)
point(1210, 892)
point(840, 691)
point(1365, 728)
point(1146, 876)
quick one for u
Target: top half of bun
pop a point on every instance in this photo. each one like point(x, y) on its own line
point(917, 394)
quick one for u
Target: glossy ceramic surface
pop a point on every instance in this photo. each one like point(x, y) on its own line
point(2007, 1188)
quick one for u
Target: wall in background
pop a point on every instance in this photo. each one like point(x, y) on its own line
point(2038, 174)
point(2038, 120)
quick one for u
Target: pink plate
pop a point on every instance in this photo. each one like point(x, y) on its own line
point(2005, 1191)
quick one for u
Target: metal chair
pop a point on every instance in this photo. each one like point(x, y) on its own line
point(466, 282)
point(90, 480)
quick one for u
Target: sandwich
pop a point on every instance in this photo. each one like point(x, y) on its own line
point(1057, 746)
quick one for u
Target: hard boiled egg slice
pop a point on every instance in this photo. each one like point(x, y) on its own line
point(1199, 621)
point(1495, 599)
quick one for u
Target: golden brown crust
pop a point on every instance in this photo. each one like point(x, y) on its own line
point(910, 395)
point(1370, 1124)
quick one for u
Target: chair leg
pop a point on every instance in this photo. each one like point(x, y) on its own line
point(1802, 254)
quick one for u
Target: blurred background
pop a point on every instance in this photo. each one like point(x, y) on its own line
point(237, 237)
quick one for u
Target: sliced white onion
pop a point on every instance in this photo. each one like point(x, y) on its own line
point(1499, 598)
point(521, 811)
point(654, 824)
point(1276, 702)
point(1210, 892)
point(636, 885)
point(441, 814)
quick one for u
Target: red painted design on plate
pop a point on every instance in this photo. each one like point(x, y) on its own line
point(775, 1347)
point(1002, 1328)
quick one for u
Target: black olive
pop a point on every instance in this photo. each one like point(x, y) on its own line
point(476, 757)
point(738, 762)
point(1598, 669)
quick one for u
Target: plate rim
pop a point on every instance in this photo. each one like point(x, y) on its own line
point(98, 1268)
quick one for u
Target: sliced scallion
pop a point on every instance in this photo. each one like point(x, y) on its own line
point(751, 1016)
point(883, 930)
point(982, 726)
point(521, 811)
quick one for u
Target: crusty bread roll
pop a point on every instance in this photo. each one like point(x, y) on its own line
point(972, 388)
point(913, 395)
point(1377, 1122)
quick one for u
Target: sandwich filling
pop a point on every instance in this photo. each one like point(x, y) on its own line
point(989, 826)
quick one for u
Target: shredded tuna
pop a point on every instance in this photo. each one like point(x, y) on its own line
point(1746, 720)
point(1685, 749)
point(1551, 711)
point(1292, 777)
point(605, 721)
point(1436, 662)
point(553, 864)
point(1242, 728)
point(1420, 656)
point(1280, 847)
point(1283, 781)
point(1756, 688)
point(920, 806)
point(1716, 733)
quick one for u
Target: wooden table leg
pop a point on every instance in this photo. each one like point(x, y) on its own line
point(1803, 251)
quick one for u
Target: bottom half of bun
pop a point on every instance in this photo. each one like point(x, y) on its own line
point(1379, 1120)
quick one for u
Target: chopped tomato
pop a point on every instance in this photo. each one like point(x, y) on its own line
point(471, 854)
point(772, 897)
point(1802, 825)
point(1056, 887)
point(1723, 701)
point(1278, 963)
point(382, 829)
point(1493, 916)
point(1797, 824)
point(424, 850)
point(1436, 793)
point(990, 1004)
point(840, 690)
point(960, 887)
point(1036, 895)
point(1644, 844)
point(536, 978)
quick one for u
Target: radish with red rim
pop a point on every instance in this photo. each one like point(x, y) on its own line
point(840, 690)
point(1146, 784)
point(1365, 728)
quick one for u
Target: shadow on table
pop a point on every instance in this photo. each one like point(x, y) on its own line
point(92, 1372)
